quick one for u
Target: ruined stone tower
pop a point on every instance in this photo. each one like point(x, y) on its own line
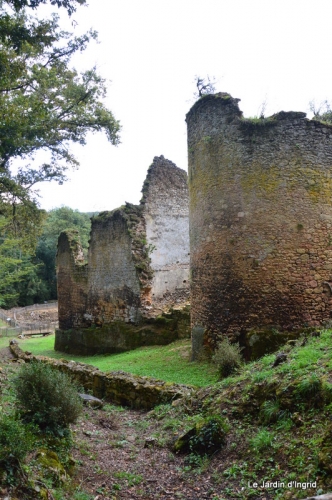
point(260, 220)
point(138, 266)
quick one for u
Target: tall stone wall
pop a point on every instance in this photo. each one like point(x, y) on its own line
point(72, 280)
point(138, 265)
point(165, 206)
point(260, 220)
point(114, 288)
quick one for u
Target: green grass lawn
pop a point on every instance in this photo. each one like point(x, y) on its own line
point(170, 363)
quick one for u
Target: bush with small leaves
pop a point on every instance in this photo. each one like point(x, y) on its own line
point(16, 440)
point(227, 357)
point(46, 397)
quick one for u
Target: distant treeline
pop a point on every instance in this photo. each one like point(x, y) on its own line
point(26, 279)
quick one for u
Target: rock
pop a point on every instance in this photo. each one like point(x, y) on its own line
point(281, 357)
point(327, 496)
point(150, 442)
point(91, 401)
point(49, 460)
point(206, 437)
point(297, 419)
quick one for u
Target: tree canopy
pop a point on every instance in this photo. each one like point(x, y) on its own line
point(70, 5)
point(45, 105)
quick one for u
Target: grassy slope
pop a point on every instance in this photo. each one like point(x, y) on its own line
point(170, 363)
point(280, 423)
point(279, 417)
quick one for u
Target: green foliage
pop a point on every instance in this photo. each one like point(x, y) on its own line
point(46, 397)
point(227, 357)
point(209, 435)
point(271, 411)
point(16, 440)
point(26, 279)
point(17, 270)
point(45, 105)
point(58, 220)
point(197, 461)
point(313, 392)
point(262, 440)
point(69, 5)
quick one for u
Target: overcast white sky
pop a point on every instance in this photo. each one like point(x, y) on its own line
point(277, 51)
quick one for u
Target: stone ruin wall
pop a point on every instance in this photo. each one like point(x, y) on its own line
point(166, 213)
point(138, 263)
point(115, 287)
point(72, 275)
point(260, 220)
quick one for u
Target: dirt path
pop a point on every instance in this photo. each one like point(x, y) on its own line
point(5, 355)
point(120, 458)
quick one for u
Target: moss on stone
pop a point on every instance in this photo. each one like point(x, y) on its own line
point(205, 438)
point(259, 342)
point(119, 336)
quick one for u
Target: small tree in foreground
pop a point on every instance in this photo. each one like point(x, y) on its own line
point(227, 357)
point(47, 397)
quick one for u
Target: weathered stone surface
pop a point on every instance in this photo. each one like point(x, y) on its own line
point(260, 217)
point(119, 336)
point(117, 387)
point(138, 264)
point(91, 400)
point(327, 496)
point(165, 205)
point(72, 275)
point(257, 343)
point(281, 357)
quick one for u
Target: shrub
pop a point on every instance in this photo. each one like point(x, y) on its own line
point(46, 397)
point(207, 436)
point(210, 435)
point(16, 440)
point(313, 392)
point(227, 357)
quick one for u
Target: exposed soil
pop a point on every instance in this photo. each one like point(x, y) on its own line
point(5, 355)
point(119, 459)
point(49, 315)
point(27, 315)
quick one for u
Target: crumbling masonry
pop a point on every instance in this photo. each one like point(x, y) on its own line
point(138, 265)
point(260, 221)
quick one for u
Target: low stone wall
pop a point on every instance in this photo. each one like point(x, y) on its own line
point(116, 387)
